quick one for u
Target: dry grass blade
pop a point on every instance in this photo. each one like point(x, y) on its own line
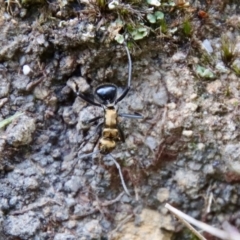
point(7, 121)
point(181, 216)
point(232, 231)
point(226, 235)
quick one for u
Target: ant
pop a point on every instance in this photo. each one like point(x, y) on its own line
point(106, 97)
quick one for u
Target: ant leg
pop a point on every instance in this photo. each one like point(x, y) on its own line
point(88, 155)
point(121, 134)
point(93, 120)
point(88, 100)
point(120, 173)
point(98, 128)
point(133, 116)
point(125, 91)
point(74, 86)
point(97, 131)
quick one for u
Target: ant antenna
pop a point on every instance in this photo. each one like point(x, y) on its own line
point(126, 90)
point(129, 65)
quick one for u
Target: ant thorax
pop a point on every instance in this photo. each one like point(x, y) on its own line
point(110, 117)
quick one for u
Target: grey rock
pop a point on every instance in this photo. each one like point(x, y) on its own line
point(41, 92)
point(160, 97)
point(227, 194)
point(207, 46)
point(106, 225)
point(151, 142)
point(66, 65)
point(13, 201)
point(90, 173)
point(71, 224)
point(126, 199)
point(179, 57)
point(20, 82)
point(68, 116)
point(78, 84)
point(23, 12)
point(4, 204)
point(208, 169)
point(81, 209)
point(163, 194)
point(232, 153)
point(20, 133)
point(56, 153)
point(221, 67)
point(74, 184)
point(18, 101)
point(84, 115)
point(136, 103)
point(44, 160)
point(30, 107)
point(22, 226)
point(40, 39)
point(91, 230)
point(61, 215)
point(64, 236)
point(4, 87)
point(195, 166)
point(186, 179)
point(46, 149)
point(31, 183)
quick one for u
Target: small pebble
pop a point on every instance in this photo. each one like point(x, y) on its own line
point(26, 69)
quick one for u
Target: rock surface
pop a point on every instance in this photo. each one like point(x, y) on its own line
point(185, 151)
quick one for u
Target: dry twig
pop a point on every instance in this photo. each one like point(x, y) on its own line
point(98, 207)
point(34, 206)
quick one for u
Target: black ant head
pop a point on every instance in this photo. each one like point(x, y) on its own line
point(106, 93)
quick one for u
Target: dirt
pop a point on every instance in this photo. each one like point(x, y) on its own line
point(184, 151)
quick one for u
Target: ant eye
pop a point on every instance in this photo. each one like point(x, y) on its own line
point(106, 93)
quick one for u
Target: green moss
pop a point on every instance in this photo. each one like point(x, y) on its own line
point(163, 26)
point(227, 50)
point(236, 69)
point(236, 103)
point(205, 59)
point(135, 2)
point(101, 4)
point(205, 73)
point(123, 12)
point(185, 234)
point(31, 2)
point(227, 92)
point(187, 28)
